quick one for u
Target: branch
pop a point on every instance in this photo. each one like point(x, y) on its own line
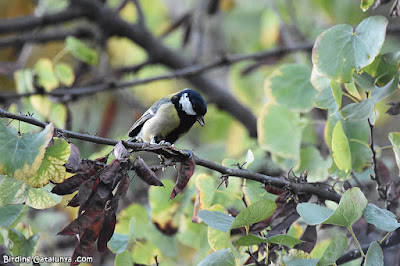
point(171, 152)
point(159, 53)
point(31, 22)
point(140, 16)
point(392, 240)
point(45, 37)
point(112, 24)
point(180, 73)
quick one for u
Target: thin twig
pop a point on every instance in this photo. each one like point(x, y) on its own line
point(392, 240)
point(295, 188)
point(140, 16)
point(31, 22)
point(45, 37)
point(381, 189)
point(180, 73)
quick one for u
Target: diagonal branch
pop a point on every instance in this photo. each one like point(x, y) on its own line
point(171, 152)
point(160, 53)
point(180, 73)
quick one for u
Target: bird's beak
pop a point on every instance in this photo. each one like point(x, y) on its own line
point(200, 119)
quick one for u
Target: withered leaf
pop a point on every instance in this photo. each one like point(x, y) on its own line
point(107, 231)
point(80, 224)
point(74, 161)
point(71, 184)
point(87, 240)
point(310, 239)
point(110, 172)
point(185, 172)
point(83, 194)
point(144, 172)
point(120, 152)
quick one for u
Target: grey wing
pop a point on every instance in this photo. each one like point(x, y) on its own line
point(137, 126)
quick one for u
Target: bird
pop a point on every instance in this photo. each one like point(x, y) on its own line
point(169, 118)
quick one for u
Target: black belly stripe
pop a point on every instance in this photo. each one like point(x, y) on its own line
point(184, 126)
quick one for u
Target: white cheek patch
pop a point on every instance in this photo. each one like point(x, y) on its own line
point(186, 105)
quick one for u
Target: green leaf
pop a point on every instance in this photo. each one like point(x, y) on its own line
point(205, 185)
point(384, 67)
point(81, 51)
point(52, 167)
point(366, 4)
point(253, 192)
point(312, 161)
point(341, 148)
point(42, 198)
point(256, 212)
point(217, 220)
point(219, 258)
point(192, 234)
point(364, 81)
point(334, 250)
point(65, 74)
point(17, 192)
point(374, 256)
point(318, 81)
point(123, 258)
point(22, 246)
point(25, 152)
point(360, 111)
point(118, 243)
point(285, 240)
point(394, 138)
point(380, 93)
point(358, 133)
point(24, 81)
point(337, 92)
point(339, 50)
point(313, 214)
point(352, 89)
point(163, 211)
point(250, 240)
point(45, 74)
point(325, 100)
point(219, 240)
point(13, 191)
point(140, 226)
point(350, 209)
point(9, 214)
point(381, 218)
point(290, 86)
point(279, 131)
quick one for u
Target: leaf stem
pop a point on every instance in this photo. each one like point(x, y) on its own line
point(360, 142)
point(355, 238)
point(383, 239)
point(351, 97)
point(60, 55)
point(385, 147)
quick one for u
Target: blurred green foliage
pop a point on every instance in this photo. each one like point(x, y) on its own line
point(282, 92)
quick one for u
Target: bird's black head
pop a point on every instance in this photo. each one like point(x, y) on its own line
point(190, 103)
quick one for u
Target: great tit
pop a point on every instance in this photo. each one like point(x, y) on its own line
point(170, 118)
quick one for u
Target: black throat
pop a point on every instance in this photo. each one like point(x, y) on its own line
point(186, 122)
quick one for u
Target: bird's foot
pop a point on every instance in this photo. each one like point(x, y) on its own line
point(166, 143)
